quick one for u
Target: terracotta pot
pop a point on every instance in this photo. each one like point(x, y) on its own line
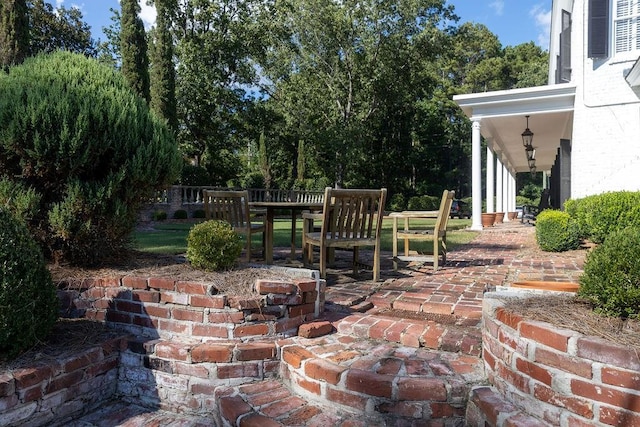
point(512, 216)
point(499, 217)
point(549, 286)
point(488, 219)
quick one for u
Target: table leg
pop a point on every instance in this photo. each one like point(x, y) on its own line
point(395, 243)
point(268, 246)
point(406, 239)
point(293, 234)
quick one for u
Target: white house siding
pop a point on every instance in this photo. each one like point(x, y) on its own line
point(605, 153)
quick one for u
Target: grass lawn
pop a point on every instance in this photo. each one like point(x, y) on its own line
point(171, 237)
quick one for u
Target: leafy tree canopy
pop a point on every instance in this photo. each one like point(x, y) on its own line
point(60, 28)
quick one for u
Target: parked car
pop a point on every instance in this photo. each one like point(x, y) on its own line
point(460, 209)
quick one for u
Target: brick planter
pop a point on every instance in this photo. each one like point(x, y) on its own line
point(552, 376)
point(160, 307)
point(182, 342)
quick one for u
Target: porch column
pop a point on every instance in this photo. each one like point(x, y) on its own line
point(510, 196)
point(476, 176)
point(490, 179)
point(499, 188)
point(512, 206)
point(505, 188)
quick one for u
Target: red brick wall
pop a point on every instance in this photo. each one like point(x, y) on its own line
point(58, 390)
point(557, 375)
point(159, 307)
point(185, 343)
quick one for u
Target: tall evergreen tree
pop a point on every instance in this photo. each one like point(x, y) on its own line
point(133, 47)
point(163, 73)
point(14, 32)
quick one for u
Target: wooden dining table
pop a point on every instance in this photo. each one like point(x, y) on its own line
point(271, 207)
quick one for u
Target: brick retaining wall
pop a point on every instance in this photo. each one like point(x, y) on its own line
point(52, 391)
point(559, 376)
point(184, 341)
point(160, 307)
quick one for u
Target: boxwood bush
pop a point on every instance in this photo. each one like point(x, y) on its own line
point(180, 214)
point(199, 213)
point(611, 278)
point(73, 132)
point(28, 301)
point(600, 215)
point(213, 245)
point(556, 231)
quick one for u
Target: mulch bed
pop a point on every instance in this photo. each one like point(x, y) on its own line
point(69, 337)
point(570, 312)
point(235, 282)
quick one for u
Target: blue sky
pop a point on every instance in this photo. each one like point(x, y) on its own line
point(513, 21)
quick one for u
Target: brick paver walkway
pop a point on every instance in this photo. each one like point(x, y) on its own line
point(423, 323)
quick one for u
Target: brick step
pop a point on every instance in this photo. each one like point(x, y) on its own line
point(384, 382)
point(410, 332)
point(270, 403)
point(126, 414)
point(488, 408)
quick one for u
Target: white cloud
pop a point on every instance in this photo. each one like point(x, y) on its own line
point(147, 14)
point(497, 6)
point(542, 18)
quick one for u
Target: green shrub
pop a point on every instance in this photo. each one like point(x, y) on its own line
point(73, 132)
point(18, 199)
point(199, 213)
point(28, 301)
point(397, 203)
point(159, 216)
point(611, 278)
point(213, 245)
point(572, 208)
point(522, 200)
point(423, 203)
point(600, 215)
point(180, 214)
point(556, 232)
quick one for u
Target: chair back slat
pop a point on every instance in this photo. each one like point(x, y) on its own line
point(230, 206)
point(354, 213)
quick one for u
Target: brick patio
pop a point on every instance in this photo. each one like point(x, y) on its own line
point(404, 350)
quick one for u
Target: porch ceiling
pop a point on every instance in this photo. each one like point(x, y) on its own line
point(502, 121)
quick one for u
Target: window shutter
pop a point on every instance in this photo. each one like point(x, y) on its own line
point(565, 48)
point(598, 28)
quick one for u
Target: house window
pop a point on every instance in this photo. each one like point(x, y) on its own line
point(626, 25)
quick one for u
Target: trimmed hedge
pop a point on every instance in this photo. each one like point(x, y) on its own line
point(556, 231)
point(213, 245)
point(611, 278)
point(600, 215)
point(180, 214)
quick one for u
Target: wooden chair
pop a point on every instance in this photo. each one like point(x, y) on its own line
point(233, 207)
point(438, 234)
point(350, 219)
